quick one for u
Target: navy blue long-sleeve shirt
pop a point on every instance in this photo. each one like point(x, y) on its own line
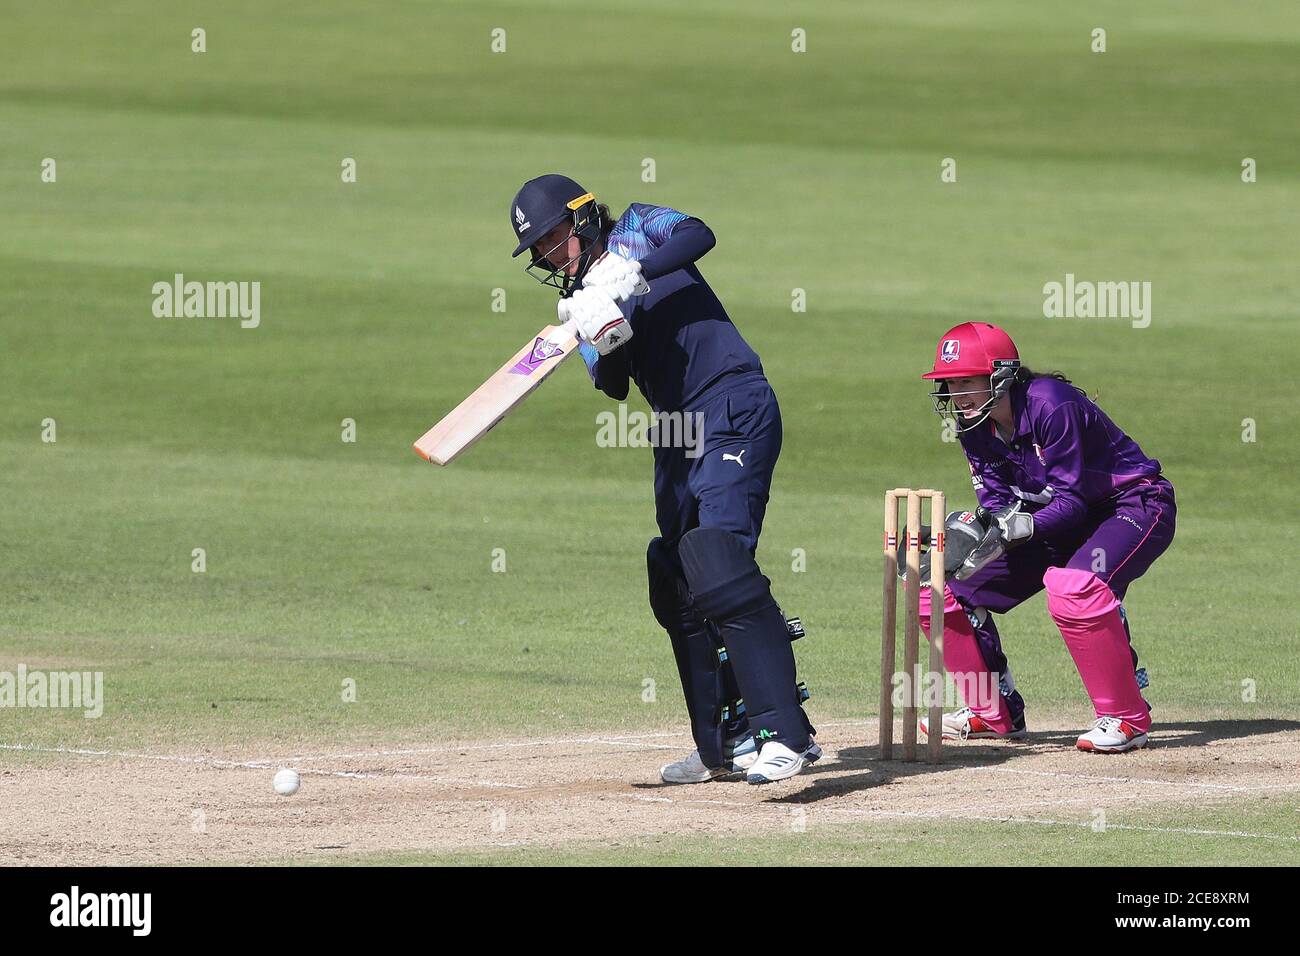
point(683, 341)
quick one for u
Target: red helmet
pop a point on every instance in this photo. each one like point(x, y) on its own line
point(973, 348)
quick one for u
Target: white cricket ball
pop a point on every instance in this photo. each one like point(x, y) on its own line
point(286, 782)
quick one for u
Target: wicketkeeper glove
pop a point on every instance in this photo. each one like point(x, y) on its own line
point(1016, 525)
point(1005, 529)
point(963, 533)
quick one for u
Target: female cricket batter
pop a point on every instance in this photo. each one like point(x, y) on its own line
point(677, 343)
point(1073, 506)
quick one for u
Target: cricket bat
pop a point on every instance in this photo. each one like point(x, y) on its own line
point(499, 395)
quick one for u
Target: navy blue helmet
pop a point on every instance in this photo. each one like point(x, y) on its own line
point(541, 205)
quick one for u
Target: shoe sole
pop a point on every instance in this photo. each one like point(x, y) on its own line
point(719, 775)
point(808, 758)
point(982, 735)
point(758, 779)
point(1137, 743)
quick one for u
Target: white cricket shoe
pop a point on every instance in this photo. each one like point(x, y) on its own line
point(692, 769)
point(776, 762)
point(1111, 735)
point(965, 724)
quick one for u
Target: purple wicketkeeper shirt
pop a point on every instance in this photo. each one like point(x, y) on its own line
point(1065, 457)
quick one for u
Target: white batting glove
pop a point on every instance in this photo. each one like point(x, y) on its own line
point(597, 319)
point(621, 277)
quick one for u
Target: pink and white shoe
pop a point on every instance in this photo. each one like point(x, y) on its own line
point(1111, 735)
point(965, 724)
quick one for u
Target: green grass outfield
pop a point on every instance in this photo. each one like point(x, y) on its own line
point(819, 171)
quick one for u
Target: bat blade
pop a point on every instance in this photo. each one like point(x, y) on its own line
point(498, 396)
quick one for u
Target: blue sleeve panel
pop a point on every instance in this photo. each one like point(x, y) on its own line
point(683, 340)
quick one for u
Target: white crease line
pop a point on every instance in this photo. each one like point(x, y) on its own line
point(1192, 791)
point(942, 815)
point(1094, 801)
point(630, 740)
point(129, 755)
point(860, 811)
point(1081, 824)
point(1071, 801)
point(257, 765)
point(363, 775)
point(1096, 779)
point(1127, 826)
point(1099, 802)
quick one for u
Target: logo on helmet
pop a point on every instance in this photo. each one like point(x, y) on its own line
point(521, 221)
point(950, 351)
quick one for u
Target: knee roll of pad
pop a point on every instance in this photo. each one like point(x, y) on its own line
point(723, 578)
point(793, 627)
